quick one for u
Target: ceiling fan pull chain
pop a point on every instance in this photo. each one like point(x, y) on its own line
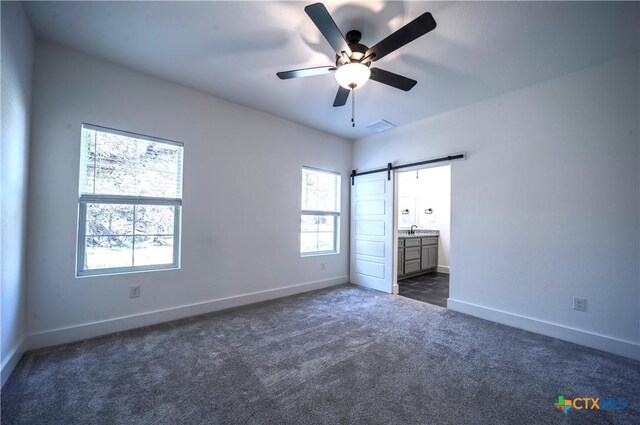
point(353, 108)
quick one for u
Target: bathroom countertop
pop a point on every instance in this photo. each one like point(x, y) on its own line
point(419, 233)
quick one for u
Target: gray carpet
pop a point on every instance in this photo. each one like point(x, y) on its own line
point(344, 355)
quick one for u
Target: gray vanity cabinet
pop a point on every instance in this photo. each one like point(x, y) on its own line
point(412, 253)
point(429, 257)
point(400, 257)
point(429, 254)
point(417, 255)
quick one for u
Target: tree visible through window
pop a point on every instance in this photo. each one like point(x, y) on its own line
point(130, 202)
point(320, 212)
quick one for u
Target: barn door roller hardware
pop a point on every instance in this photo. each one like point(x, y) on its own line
point(390, 167)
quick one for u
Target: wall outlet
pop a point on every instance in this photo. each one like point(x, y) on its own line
point(134, 291)
point(579, 303)
point(322, 266)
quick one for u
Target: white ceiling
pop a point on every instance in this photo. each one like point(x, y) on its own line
point(233, 50)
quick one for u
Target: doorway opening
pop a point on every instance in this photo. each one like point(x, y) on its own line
point(423, 224)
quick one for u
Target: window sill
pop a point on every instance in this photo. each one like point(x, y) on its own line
point(112, 272)
point(318, 254)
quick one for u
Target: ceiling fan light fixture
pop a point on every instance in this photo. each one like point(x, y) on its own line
point(353, 75)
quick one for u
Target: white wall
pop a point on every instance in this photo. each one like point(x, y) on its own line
point(241, 200)
point(17, 64)
point(546, 206)
point(432, 189)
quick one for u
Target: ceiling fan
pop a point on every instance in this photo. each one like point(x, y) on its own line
point(353, 60)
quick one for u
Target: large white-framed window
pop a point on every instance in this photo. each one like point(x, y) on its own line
point(320, 215)
point(129, 204)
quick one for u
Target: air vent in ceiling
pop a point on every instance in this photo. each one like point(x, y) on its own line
point(380, 126)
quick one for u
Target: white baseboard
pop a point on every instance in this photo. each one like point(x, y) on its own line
point(105, 327)
point(443, 269)
point(11, 360)
point(601, 342)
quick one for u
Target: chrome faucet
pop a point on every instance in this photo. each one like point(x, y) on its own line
point(413, 231)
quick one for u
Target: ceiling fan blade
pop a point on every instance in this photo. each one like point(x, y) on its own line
point(405, 35)
point(306, 72)
point(327, 26)
point(341, 96)
point(391, 79)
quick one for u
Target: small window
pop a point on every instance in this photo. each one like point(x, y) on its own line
point(320, 218)
point(130, 202)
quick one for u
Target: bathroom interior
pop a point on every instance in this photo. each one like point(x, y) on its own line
point(424, 213)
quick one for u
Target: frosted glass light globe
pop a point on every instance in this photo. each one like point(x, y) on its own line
point(353, 75)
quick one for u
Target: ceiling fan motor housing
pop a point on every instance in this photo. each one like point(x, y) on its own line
point(357, 50)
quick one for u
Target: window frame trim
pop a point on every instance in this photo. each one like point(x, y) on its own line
point(84, 199)
point(129, 200)
point(81, 250)
point(336, 231)
point(130, 134)
point(335, 214)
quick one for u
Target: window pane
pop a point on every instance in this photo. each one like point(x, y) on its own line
point(326, 201)
point(309, 223)
point(153, 250)
point(154, 219)
point(309, 189)
point(102, 252)
point(327, 192)
point(110, 235)
point(326, 241)
point(311, 198)
point(326, 223)
point(304, 198)
point(308, 242)
point(109, 219)
point(120, 163)
point(317, 233)
point(320, 190)
point(87, 168)
point(315, 223)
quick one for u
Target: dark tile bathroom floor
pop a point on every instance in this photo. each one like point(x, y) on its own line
point(432, 288)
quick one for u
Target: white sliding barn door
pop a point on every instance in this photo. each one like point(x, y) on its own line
point(372, 232)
